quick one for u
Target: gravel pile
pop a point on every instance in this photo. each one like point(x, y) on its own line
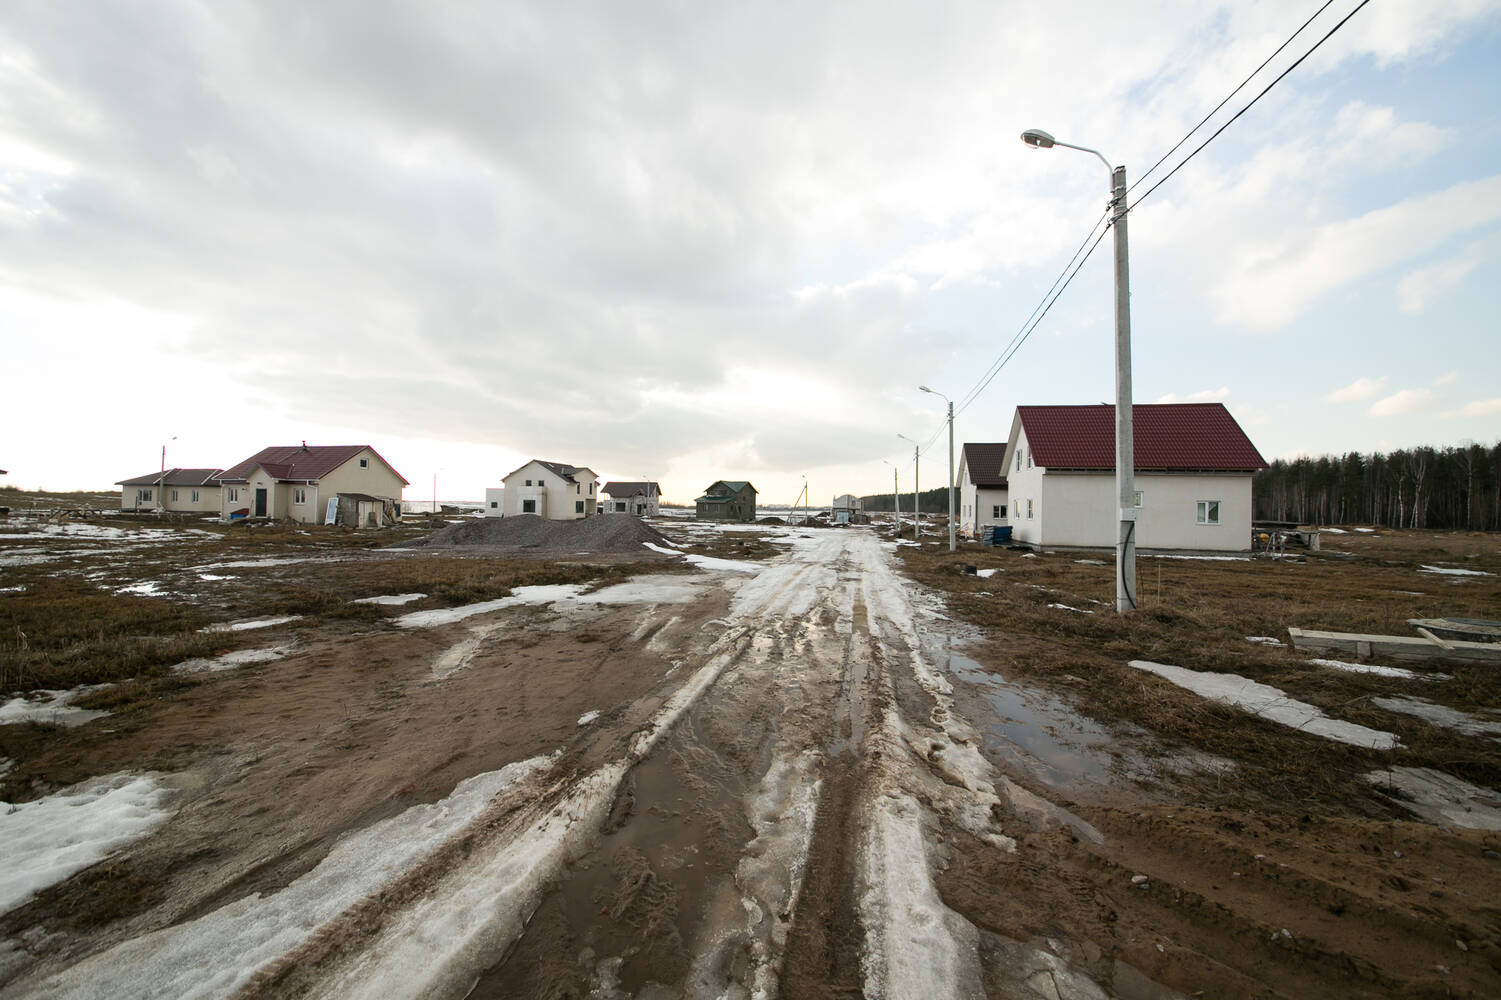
point(611, 533)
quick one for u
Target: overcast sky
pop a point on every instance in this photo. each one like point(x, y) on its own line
point(687, 242)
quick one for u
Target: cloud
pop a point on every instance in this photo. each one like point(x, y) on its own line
point(1202, 396)
point(1481, 408)
point(1270, 284)
point(1417, 288)
point(1361, 388)
point(1402, 402)
point(1445, 378)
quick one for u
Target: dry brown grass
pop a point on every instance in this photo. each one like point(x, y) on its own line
point(1197, 614)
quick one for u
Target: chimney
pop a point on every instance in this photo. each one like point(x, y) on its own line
point(304, 444)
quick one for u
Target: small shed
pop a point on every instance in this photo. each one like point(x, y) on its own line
point(728, 500)
point(361, 510)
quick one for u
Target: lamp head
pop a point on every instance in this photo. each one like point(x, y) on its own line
point(924, 388)
point(1038, 139)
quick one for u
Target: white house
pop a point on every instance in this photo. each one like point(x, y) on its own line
point(193, 491)
point(495, 501)
point(554, 490)
point(298, 482)
point(982, 487)
point(847, 509)
point(641, 499)
point(1193, 474)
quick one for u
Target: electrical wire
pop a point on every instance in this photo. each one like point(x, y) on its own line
point(1066, 276)
point(1238, 89)
point(1343, 21)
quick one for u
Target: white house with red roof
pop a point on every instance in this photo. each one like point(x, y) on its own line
point(1194, 467)
point(554, 490)
point(298, 481)
point(982, 487)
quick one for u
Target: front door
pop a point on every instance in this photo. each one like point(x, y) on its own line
point(260, 503)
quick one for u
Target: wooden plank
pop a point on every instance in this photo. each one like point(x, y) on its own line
point(1433, 638)
point(1400, 647)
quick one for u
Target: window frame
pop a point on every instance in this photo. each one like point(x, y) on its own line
point(578, 506)
point(528, 506)
point(1202, 511)
point(364, 463)
point(299, 496)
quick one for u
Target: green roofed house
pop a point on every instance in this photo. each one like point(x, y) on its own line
point(728, 500)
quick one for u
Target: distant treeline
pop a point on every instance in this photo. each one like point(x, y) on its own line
point(1413, 488)
point(933, 501)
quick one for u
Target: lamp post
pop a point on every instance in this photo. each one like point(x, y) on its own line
point(1125, 453)
point(916, 490)
point(896, 499)
point(951, 460)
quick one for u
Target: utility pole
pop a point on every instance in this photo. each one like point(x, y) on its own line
point(1125, 452)
point(916, 489)
point(896, 499)
point(952, 526)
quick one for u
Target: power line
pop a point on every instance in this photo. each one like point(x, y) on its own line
point(985, 379)
point(1248, 107)
point(1022, 338)
point(1238, 89)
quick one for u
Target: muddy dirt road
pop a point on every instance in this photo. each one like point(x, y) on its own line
point(779, 779)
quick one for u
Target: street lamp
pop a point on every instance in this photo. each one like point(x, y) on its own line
point(951, 460)
point(916, 490)
point(1125, 453)
point(896, 499)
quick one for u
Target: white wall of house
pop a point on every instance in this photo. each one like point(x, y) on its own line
point(495, 502)
point(179, 499)
point(536, 489)
point(639, 504)
point(978, 508)
point(1024, 487)
point(1081, 510)
point(242, 495)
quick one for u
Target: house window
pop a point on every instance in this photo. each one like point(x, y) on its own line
point(998, 510)
point(1029, 460)
point(1138, 498)
point(493, 505)
point(528, 482)
point(528, 506)
point(143, 495)
point(541, 482)
point(299, 495)
point(195, 496)
point(591, 489)
point(1029, 509)
point(1208, 512)
point(1018, 460)
point(364, 463)
point(174, 496)
point(234, 495)
point(578, 506)
point(620, 506)
point(579, 488)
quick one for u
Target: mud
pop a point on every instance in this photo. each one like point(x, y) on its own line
point(788, 783)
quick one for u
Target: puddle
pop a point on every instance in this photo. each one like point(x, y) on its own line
point(1440, 798)
point(1034, 730)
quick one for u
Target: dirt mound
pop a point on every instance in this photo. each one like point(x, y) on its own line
point(529, 531)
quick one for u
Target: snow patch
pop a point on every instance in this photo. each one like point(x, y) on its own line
point(1441, 798)
point(1268, 703)
point(1371, 668)
point(47, 840)
point(238, 658)
point(52, 707)
point(1440, 715)
point(1264, 640)
point(389, 599)
point(219, 952)
point(986, 574)
point(1453, 571)
point(544, 594)
point(588, 717)
point(248, 625)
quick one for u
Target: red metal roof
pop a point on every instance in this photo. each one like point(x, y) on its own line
point(301, 463)
point(986, 464)
point(1166, 436)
